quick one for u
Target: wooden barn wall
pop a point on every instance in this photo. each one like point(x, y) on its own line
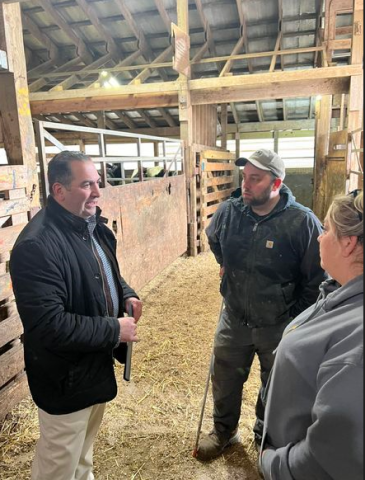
point(149, 221)
point(205, 125)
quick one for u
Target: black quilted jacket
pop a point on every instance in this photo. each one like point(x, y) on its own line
point(68, 335)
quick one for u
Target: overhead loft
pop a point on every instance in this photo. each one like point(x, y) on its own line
point(71, 44)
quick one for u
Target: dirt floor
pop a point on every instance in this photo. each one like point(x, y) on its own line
point(149, 430)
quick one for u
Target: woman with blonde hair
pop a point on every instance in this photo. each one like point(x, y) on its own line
point(314, 414)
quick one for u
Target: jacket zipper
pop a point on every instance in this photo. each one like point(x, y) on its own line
point(247, 296)
point(101, 274)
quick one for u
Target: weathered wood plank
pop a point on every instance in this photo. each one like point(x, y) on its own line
point(14, 194)
point(205, 211)
point(8, 235)
point(216, 167)
point(222, 194)
point(5, 286)
point(13, 176)
point(12, 207)
point(12, 394)
point(10, 328)
point(210, 182)
point(217, 155)
point(11, 363)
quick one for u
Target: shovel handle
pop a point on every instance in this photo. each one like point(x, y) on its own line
point(128, 360)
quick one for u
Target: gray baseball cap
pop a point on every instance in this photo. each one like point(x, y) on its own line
point(265, 160)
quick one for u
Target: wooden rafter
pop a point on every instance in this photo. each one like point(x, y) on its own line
point(142, 76)
point(285, 116)
point(168, 117)
point(126, 119)
point(41, 82)
point(260, 112)
point(227, 67)
point(74, 78)
point(244, 31)
point(208, 32)
point(276, 49)
point(85, 120)
point(280, 27)
point(147, 118)
point(44, 39)
point(227, 89)
point(235, 113)
point(164, 15)
point(88, 9)
point(142, 42)
point(81, 48)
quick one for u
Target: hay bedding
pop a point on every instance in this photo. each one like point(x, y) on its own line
point(149, 430)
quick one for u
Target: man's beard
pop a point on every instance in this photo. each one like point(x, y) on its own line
point(259, 200)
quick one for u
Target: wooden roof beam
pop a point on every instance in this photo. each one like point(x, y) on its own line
point(143, 45)
point(208, 32)
point(75, 78)
point(276, 49)
point(81, 48)
point(85, 120)
point(227, 67)
point(44, 39)
point(168, 117)
point(235, 113)
point(164, 15)
point(285, 113)
point(227, 89)
point(260, 112)
point(124, 63)
point(41, 82)
point(111, 46)
point(147, 118)
point(244, 31)
point(126, 119)
point(144, 74)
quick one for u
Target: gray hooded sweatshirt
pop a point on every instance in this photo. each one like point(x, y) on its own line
point(314, 413)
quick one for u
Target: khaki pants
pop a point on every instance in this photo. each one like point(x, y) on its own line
point(65, 447)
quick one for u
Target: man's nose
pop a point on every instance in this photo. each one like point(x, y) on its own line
point(96, 190)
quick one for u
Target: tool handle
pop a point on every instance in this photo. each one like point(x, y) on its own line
point(128, 360)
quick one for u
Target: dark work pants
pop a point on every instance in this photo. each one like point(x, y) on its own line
point(235, 346)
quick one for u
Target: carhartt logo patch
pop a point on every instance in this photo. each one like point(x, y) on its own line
point(269, 244)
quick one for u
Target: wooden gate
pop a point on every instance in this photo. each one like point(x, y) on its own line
point(335, 172)
point(14, 211)
point(216, 171)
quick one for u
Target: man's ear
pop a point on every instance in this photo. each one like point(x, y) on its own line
point(58, 190)
point(277, 184)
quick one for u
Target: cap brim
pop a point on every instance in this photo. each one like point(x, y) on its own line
point(241, 162)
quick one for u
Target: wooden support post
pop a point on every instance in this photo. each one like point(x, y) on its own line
point(186, 134)
point(224, 125)
point(236, 174)
point(322, 132)
point(156, 152)
point(355, 101)
point(276, 141)
point(15, 115)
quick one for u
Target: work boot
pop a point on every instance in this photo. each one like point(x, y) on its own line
point(213, 444)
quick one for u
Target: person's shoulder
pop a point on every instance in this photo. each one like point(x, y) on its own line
point(302, 211)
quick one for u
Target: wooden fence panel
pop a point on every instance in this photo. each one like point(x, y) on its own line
point(14, 211)
point(216, 185)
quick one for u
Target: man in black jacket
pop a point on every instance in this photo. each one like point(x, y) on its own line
point(71, 299)
point(266, 245)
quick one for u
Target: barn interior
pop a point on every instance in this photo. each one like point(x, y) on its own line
point(173, 88)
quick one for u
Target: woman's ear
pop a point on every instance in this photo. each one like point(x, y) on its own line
point(348, 244)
